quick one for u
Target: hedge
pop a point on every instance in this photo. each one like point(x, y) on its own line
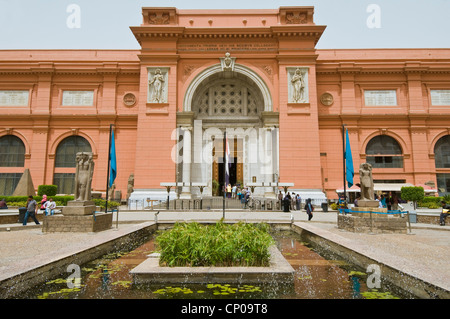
point(60, 201)
point(49, 190)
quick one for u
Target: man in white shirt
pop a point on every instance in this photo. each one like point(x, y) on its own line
point(49, 206)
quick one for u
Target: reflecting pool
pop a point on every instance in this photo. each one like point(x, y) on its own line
point(315, 278)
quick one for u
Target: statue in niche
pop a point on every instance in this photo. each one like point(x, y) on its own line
point(83, 176)
point(158, 85)
point(366, 179)
point(298, 85)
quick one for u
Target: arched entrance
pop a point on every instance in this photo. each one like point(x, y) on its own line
point(236, 102)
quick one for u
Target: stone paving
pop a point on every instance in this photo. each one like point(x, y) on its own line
point(424, 252)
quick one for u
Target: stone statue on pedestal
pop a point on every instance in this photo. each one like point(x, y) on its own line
point(130, 186)
point(365, 176)
point(367, 187)
point(83, 176)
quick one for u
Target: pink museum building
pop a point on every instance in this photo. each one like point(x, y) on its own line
point(255, 74)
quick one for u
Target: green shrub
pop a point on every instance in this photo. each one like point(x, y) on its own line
point(49, 190)
point(334, 206)
point(60, 200)
point(102, 203)
point(432, 205)
point(193, 244)
point(412, 193)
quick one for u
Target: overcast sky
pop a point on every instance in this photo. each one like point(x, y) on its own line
point(104, 24)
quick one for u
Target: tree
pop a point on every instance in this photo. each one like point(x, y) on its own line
point(413, 193)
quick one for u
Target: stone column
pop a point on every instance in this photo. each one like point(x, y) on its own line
point(186, 190)
point(268, 161)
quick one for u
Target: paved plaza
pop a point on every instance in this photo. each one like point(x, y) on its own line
point(424, 252)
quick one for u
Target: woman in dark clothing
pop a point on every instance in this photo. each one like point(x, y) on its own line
point(309, 208)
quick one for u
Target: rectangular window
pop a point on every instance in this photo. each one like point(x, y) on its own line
point(14, 97)
point(78, 98)
point(8, 183)
point(443, 184)
point(65, 183)
point(440, 97)
point(388, 161)
point(380, 97)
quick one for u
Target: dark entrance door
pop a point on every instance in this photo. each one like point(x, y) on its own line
point(233, 175)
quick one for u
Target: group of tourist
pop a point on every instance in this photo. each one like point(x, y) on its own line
point(294, 202)
point(48, 206)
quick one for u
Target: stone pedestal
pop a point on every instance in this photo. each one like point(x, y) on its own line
point(80, 224)
point(372, 220)
point(368, 203)
point(78, 216)
point(371, 212)
point(79, 208)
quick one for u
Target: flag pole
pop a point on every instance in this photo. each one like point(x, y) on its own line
point(109, 167)
point(224, 170)
point(343, 163)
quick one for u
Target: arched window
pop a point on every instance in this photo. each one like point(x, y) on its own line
point(442, 160)
point(68, 149)
point(65, 157)
point(12, 151)
point(12, 154)
point(442, 152)
point(383, 151)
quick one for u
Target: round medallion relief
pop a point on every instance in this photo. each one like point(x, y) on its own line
point(326, 99)
point(129, 99)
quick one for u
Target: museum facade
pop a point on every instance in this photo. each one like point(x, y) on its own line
point(254, 74)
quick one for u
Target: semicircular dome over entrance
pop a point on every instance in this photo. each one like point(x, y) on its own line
point(221, 97)
point(240, 76)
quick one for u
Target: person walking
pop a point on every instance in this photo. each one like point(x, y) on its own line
point(32, 209)
point(309, 209)
point(444, 213)
point(298, 202)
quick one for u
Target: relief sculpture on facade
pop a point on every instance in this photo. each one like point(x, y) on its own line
point(298, 86)
point(157, 86)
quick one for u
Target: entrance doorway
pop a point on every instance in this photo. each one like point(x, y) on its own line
point(236, 163)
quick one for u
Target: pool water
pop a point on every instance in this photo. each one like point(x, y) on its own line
point(315, 278)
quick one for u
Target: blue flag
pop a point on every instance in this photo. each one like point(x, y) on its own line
point(113, 162)
point(349, 170)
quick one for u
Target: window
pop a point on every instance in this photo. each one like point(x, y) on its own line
point(67, 150)
point(65, 182)
point(8, 183)
point(66, 157)
point(442, 152)
point(384, 152)
point(443, 184)
point(12, 151)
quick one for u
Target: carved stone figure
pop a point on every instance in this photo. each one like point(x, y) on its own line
point(298, 84)
point(130, 186)
point(158, 84)
point(227, 62)
point(111, 191)
point(366, 179)
point(83, 176)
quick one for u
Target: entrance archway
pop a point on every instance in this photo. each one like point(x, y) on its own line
point(231, 101)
